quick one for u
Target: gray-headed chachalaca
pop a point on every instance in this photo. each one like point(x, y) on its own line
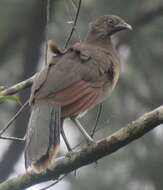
point(79, 79)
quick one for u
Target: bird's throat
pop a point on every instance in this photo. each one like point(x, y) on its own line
point(97, 40)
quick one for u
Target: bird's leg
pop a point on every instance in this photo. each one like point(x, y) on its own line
point(65, 140)
point(70, 151)
point(88, 138)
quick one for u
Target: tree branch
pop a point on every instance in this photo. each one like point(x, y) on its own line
point(13, 118)
point(90, 154)
point(74, 24)
point(17, 87)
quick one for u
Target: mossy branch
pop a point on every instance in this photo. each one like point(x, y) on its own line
point(17, 87)
point(90, 154)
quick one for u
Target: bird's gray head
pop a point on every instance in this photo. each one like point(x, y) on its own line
point(108, 25)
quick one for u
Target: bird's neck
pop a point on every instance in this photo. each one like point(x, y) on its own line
point(100, 41)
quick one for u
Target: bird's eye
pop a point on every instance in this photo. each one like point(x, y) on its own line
point(111, 22)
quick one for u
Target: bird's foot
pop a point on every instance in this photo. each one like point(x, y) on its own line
point(90, 141)
point(70, 154)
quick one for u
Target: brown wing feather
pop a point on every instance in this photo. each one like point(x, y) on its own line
point(81, 105)
point(70, 70)
point(76, 98)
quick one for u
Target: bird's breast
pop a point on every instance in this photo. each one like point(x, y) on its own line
point(109, 76)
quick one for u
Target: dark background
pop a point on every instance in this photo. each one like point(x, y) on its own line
point(138, 166)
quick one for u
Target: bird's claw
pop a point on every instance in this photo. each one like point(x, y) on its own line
point(70, 154)
point(91, 142)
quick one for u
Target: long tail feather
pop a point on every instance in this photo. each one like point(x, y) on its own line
point(43, 136)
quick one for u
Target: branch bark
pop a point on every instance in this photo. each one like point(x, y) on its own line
point(17, 87)
point(88, 155)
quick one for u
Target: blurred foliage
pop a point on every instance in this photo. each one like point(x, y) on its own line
point(139, 165)
point(22, 31)
point(11, 98)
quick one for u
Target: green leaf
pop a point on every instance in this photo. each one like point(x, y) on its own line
point(10, 98)
point(2, 88)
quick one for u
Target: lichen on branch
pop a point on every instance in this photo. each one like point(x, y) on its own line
point(90, 154)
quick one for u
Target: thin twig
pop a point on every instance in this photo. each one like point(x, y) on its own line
point(69, 11)
point(18, 87)
point(13, 138)
point(97, 120)
point(46, 30)
point(48, 11)
point(13, 118)
point(75, 8)
point(54, 183)
point(74, 24)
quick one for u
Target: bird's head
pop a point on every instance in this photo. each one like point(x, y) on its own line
point(108, 25)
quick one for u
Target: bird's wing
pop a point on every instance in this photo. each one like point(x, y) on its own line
point(77, 64)
point(40, 78)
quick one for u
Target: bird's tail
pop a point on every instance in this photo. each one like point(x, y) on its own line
point(43, 136)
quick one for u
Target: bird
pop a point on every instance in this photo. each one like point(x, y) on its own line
point(74, 81)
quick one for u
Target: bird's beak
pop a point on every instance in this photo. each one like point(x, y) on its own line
point(119, 27)
point(123, 26)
